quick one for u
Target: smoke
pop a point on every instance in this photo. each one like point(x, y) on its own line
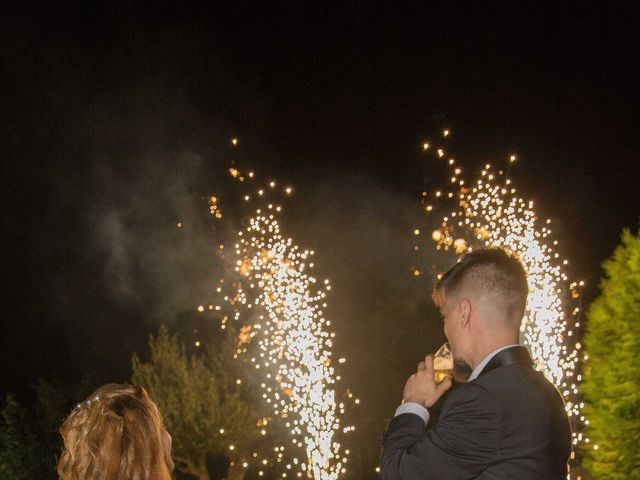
point(153, 233)
point(118, 265)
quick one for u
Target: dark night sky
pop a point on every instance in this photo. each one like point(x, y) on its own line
point(117, 120)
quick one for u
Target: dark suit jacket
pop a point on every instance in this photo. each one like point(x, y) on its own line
point(510, 423)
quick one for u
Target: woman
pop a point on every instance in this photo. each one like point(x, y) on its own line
point(116, 434)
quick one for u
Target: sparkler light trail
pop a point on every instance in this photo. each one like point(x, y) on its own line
point(489, 212)
point(278, 302)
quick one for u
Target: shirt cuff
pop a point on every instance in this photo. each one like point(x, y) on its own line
point(414, 408)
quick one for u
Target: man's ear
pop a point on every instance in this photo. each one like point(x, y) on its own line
point(465, 312)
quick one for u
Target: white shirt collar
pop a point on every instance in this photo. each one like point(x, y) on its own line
point(476, 371)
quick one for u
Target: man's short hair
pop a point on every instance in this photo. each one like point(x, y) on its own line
point(493, 272)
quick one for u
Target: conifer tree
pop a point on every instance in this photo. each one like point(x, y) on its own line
point(612, 371)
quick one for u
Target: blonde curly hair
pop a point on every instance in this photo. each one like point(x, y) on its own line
point(116, 434)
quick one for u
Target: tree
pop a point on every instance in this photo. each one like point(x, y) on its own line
point(612, 371)
point(202, 406)
point(53, 401)
point(29, 438)
point(18, 441)
point(30, 441)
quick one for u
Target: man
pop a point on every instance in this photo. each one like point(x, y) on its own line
point(508, 421)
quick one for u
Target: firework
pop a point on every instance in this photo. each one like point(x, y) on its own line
point(489, 212)
point(279, 305)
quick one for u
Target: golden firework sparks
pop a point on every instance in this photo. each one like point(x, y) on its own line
point(283, 303)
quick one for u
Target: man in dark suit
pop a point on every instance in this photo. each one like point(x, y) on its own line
point(508, 421)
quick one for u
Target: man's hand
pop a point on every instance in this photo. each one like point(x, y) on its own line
point(421, 388)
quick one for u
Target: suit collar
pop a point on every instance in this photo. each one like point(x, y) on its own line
point(508, 356)
point(485, 361)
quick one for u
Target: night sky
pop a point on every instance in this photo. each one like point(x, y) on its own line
point(118, 120)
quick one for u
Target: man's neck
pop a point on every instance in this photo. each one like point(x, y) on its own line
point(485, 349)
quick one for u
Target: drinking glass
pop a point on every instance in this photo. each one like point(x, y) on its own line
point(443, 363)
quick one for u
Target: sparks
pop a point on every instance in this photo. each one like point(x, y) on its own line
point(279, 305)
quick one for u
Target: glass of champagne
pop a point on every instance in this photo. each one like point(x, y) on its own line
point(443, 363)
